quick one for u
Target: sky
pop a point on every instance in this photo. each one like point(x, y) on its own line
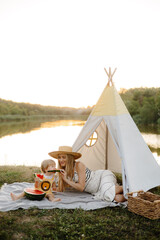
point(53, 52)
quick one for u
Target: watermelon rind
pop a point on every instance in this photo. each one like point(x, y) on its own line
point(34, 194)
point(54, 171)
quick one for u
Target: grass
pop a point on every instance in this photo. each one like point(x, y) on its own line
point(38, 224)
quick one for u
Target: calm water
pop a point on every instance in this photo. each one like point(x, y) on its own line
point(29, 143)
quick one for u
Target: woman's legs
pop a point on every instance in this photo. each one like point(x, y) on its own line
point(119, 197)
point(118, 189)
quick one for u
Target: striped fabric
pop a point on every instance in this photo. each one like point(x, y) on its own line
point(100, 183)
point(88, 174)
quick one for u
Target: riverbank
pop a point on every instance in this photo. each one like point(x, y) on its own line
point(40, 118)
point(142, 103)
point(107, 223)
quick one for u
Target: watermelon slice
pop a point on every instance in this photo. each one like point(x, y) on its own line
point(34, 194)
point(40, 176)
point(54, 171)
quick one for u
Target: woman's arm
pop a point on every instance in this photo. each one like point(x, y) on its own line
point(80, 168)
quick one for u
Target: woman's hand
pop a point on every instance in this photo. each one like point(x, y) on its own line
point(63, 174)
point(80, 185)
point(55, 189)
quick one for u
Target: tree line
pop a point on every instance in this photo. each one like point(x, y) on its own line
point(142, 103)
point(10, 110)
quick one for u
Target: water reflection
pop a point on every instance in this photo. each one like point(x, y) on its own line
point(29, 143)
point(31, 147)
point(25, 127)
point(16, 127)
point(62, 123)
point(153, 141)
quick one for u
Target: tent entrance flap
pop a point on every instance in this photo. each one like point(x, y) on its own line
point(103, 153)
point(114, 160)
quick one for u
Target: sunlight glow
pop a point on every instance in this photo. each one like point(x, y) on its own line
point(54, 52)
point(32, 148)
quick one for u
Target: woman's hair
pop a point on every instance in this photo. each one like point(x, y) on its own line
point(46, 163)
point(69, 168)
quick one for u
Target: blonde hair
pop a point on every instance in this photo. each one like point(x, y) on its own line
point(69, 168)
point(46, 163)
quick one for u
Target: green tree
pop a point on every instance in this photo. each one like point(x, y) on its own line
point(148, 111)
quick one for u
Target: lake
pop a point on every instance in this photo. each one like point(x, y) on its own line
point(29, 143)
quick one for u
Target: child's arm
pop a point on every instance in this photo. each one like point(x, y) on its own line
point(38, 178)
point(36, 182)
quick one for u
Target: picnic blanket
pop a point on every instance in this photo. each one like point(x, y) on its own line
point(69, 199)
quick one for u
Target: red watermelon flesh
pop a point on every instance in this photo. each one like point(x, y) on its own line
point(40, 176)
point(34, 194)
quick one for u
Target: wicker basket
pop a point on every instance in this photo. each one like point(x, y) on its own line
point(145, 204)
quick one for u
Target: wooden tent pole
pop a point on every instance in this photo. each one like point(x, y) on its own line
point(106, 152)
point(114, 71)
point(110, 75)
point(106, 72)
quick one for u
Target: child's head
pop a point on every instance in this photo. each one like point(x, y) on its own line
point(46, 164)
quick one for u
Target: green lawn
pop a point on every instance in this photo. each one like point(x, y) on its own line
point(106, 223)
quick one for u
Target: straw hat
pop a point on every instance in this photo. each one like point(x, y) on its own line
point(65, 150)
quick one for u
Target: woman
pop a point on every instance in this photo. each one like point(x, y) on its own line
point(101, 183)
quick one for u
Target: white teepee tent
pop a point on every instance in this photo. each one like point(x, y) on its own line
point(119, 146)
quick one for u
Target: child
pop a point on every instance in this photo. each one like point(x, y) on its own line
point(46, 165)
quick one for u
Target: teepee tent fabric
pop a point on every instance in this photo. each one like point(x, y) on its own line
point(120, 146)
